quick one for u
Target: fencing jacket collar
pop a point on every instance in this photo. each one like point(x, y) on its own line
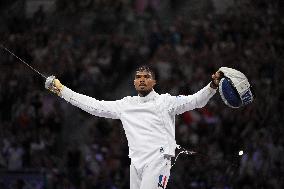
point(151, 96)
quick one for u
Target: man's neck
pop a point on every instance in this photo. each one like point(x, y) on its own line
point(143, 93)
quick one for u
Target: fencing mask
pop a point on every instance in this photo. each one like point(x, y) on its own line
point(234, 88)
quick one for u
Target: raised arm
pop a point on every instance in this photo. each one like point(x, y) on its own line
point(182, 103)
point(107, 109)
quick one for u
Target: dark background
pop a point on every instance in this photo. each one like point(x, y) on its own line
point(93, 46)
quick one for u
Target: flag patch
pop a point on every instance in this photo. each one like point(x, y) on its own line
point(162, 181)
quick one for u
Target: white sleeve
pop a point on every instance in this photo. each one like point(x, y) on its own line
point(182, 103)
point(107, 109)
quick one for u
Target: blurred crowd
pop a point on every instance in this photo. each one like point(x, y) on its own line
point(97, 61)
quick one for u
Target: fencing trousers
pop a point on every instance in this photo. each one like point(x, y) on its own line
point(154, 175)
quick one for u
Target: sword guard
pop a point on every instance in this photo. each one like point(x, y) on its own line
point(50, 85)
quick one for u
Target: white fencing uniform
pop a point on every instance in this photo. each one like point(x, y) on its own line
point(149, 124)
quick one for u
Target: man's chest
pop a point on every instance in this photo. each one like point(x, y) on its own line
point(145, 113)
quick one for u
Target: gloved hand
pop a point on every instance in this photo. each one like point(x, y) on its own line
point(54, 85)
point(215, 79)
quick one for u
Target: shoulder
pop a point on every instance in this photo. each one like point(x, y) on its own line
point(167, 95)
point(173, 98)
point(129, 99)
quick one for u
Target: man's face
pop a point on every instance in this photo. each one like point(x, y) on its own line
point(144, 81)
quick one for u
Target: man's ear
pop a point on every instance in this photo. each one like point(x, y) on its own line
point(154, 83)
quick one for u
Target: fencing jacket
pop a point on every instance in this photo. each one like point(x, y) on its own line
point(148, 122)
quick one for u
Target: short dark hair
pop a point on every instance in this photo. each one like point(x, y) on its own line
point(146, 68)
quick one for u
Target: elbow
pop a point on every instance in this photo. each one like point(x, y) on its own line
point(201, 104)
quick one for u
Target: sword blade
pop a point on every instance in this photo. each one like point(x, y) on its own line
point(3, 47)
